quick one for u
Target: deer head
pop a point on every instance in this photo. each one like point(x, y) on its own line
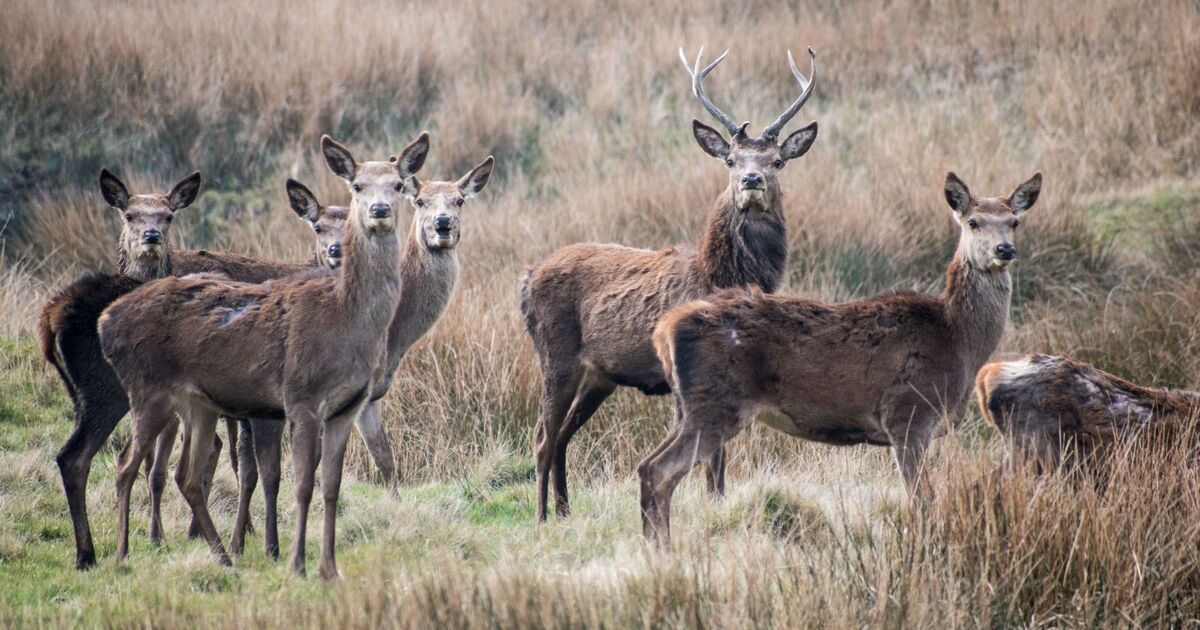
point(146, 219)
point(438, 205)
point(987, 224)
point(327, 222)
point(753, 163)
point(377, 188)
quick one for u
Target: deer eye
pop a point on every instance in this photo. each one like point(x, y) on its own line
point(317, 229)
point(357, 188)
point(1016, 222)
point(128, 216)
point(729, 162)
point(459, 202)
point(778, 163)
point(973, 224)
point(400, 187)
point(420, 203)
point(170, 217)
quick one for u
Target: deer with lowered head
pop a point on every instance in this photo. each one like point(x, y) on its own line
point(1053, 408)
point(590, 308)
point(880, 371)
point(304, 348)
point(428, 272)
point(67, 328)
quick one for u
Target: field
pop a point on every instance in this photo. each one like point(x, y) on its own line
point(587, 110)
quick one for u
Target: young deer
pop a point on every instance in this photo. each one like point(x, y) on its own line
point(67, 330)
point(203, 348)
point(1049, 407)
point(590, 308)
point(878, 371)
point(429, 273)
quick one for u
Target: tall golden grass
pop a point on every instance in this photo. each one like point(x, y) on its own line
point(588, 112)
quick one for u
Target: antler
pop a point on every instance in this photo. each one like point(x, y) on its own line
point(772, 130)
point(698, 89)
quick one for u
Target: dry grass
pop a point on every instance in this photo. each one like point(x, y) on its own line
point(586, 109)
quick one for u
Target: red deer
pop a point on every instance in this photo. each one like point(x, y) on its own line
point(879, 371)
point(590, 308)
point(67, 328)
point(203, 347)
point(429, 273)
point(1049, 407)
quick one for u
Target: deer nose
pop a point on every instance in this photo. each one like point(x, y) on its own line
point(335, 251)
point(151, 237)
point(442, 222)
point(380, 210)
point(1006, 251)
point(752, 180)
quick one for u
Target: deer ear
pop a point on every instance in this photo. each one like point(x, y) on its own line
point(710, 140)
point(412, 158)
point(303, 201)
point(473, 182)
point(113, 190)
point(339, 159)
point(1026, 194)
point(957, 194)
point(799, 142)
point(184, 193)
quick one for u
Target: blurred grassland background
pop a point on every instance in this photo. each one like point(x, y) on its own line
point(587, 110)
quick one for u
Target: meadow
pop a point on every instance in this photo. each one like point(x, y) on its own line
point(587, 109)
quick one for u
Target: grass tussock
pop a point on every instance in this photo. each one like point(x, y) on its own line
point(587, 111)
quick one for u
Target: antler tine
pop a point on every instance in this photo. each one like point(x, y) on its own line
point(806, 85)
point(698, 76)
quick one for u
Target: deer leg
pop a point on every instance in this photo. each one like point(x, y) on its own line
point(202, 427)
point(592, 392)
point(210, 471)
point(158, 477)
point(715, 475)
point(661, 474)
point(333, 453)
point(231, 433)
point(909, 441)
point(247, 482)
point(149, 419)
point(93, 424)
point(370, 427)
point(268, 439)
point(558, 389)
point(306, 430)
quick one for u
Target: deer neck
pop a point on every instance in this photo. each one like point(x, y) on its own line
point(743, 247)
point(429, 275)
point(369, 284)
point(977, 303)
point(143, 267)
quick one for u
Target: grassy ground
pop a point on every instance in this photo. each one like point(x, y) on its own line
point(587, 111)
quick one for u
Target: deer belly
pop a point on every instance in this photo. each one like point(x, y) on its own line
point(824, 431)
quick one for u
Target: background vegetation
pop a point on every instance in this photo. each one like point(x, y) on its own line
point(587, 110)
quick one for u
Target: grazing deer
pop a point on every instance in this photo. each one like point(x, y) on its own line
point(590, 308)
point(429, 273)
point(203, 348)
point(1049, 407)
point(67, 329)
point(878, 371)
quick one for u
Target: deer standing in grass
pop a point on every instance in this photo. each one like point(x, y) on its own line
point(1049, 407)
point(590, 308)
point(429, 272)
point(304, 348)
point(67, 330)
point(879, 371)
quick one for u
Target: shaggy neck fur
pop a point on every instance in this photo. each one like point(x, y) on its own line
point(741, 248)
point(144, 267)
point(369, 277)
point(429, 275)
point(977, 303)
